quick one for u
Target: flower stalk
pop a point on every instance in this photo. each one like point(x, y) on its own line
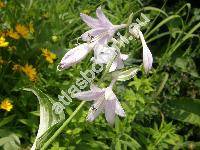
point(45, 146)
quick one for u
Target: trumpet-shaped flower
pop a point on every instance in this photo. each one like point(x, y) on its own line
point(104, 101)
point(147, 56)
point(102, 30)
point(105, 54)
point(75, 55)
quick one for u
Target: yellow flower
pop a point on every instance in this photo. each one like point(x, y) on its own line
point(22, 30)
point(2, 4)
point(49, 56)
point(6, 105)
point(3, 42)
point(13, 34)
point(30, 72)
point(16, 68)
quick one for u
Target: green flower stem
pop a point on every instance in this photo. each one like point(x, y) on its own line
point(108, 67)
point(161, 87)
point(63, 126)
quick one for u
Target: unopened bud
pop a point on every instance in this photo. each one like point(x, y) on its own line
point(54, 38)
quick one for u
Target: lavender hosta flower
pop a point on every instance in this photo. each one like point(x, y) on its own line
point(75, 55)
point(147, 56)
point(103, 54)
point(102, 30)
point(118, 62)
point(104, 101)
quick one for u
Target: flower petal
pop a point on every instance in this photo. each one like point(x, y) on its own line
point(95, 88)
point(147, 59)
point(102, 17)
point(113, 66)
point(103, 54)
point(87, 36)
point(147, 56)
point(103, 40)
point(110, 106)
point(119, 110)
point(74, 56)
point(89, 95)
point(117, 64)
point(91, 22)
point(124, 56)
point(96, 109)
point(102, 29)
point(109, 94)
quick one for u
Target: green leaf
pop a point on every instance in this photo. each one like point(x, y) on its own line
point(27, 122)
point(127, 74)
point(162, 23)
point(10, 142)
point(197, 83)
point(133, 141)
point(49, 120)
point(187, 104)
point(98, 145)
point(35, 113)
point(44, 137)
point(183, 116)
point(184, 109)
point(156, 10)
point(6, 120)
point(130, 145)
point(187, 65)
point(124, 74)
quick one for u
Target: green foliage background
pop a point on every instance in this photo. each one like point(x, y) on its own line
point(162, 108)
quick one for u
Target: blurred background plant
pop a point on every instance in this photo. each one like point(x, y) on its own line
point(163, 108)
